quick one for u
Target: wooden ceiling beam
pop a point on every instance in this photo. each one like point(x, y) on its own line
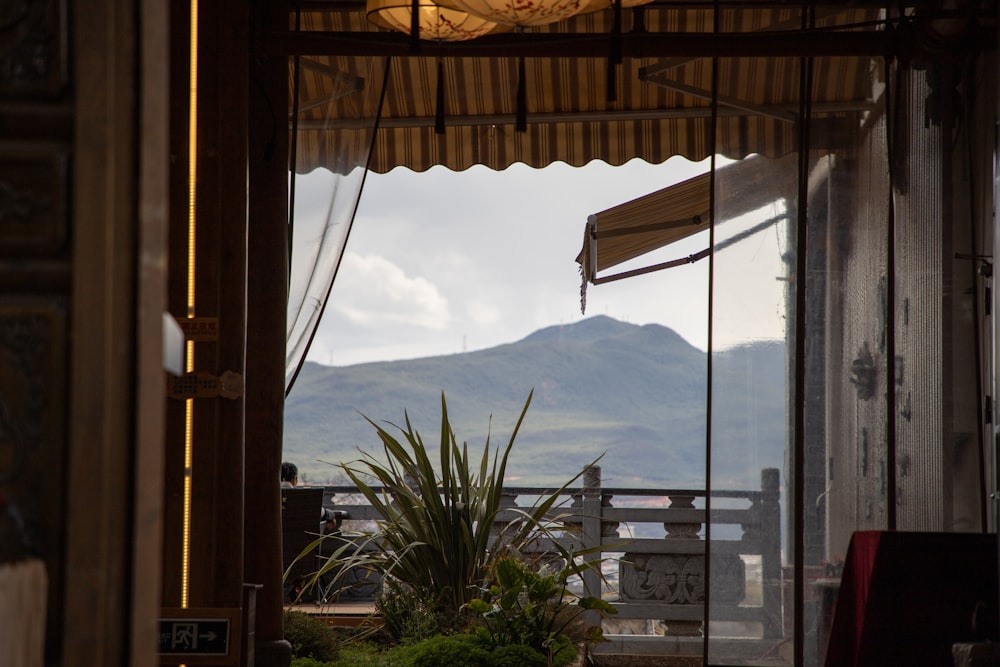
point(574, 117)
point(899, 41)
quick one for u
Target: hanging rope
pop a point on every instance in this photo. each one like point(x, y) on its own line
point(521, 121)
point(615, 56)
point(414, 26)
point(439, 102)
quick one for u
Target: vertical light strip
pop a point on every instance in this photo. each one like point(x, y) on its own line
point(192, 229)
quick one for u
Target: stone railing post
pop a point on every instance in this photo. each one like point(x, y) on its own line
point(770, 540)
point(592, 521)
point(508, 500)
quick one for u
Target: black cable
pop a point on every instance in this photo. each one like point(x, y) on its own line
point(970, 104)
point(293, 148)
point(890, 314)
point(799, 415)
point(713, 140)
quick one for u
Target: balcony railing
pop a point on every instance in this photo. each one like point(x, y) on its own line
point(654, 558)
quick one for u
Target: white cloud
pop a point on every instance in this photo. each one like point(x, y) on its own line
point(441, 262)
point(371, 291)
point(484, 313)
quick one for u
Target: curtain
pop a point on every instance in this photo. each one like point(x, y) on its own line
point(324, 200)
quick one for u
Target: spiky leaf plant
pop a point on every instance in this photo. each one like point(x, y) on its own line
point(438, 532)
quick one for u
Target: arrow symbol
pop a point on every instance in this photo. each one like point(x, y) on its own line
point(208, 635)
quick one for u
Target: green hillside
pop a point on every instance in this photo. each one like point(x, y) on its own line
point(634, 392)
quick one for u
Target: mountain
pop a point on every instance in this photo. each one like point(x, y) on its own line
point(637, 394)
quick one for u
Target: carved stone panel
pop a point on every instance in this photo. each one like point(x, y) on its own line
point(33, 59)
point(673, 579)
point(680, 578)
point(33, 196)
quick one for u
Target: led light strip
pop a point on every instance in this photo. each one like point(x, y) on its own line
point(192, 235)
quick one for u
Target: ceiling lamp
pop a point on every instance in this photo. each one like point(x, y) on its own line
point(425, 19)
point(434, 22)
point(527, 13)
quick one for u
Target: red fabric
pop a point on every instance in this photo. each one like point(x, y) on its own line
point(905, 598)
point(849, 618)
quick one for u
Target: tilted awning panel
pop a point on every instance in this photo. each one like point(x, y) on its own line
point(645, 224)
point(656, 220)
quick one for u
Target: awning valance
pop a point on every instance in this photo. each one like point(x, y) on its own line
point(661, 107)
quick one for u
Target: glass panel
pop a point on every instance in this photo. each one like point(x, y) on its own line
point(819, 452)
point(752, 320)
point(848, 304)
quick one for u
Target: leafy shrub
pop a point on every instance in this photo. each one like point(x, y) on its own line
point(412, 615)
point(535, 608)
point(517, 655)
point(310, 637)
point(308, 662)
point(466, 650)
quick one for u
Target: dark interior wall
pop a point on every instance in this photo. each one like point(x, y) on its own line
point(36, 220)
point(81, 364)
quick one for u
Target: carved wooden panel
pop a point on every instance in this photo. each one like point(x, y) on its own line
point(33, 366)
point(33, 59)
point(32, 402)
point(34, 194)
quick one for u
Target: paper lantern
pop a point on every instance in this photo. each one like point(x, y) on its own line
point(527, 13)
point(435, 22)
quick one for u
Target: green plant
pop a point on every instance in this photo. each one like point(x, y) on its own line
point(535, 608)
point(309, 662)
point(310, 637)
point(465, 650)
point(410, 615)
point(438, 532)
point(516, 655)
point(447, 650)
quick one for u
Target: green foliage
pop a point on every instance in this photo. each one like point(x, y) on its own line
point(465, 650)
point(309, 662)
point(363, 654)
point(447, 651)
point(517, 655)
point(535, 608)
point(409, 615)
point(310, 637)
point(437, 535)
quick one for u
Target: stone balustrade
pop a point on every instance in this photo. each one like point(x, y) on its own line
point(655, 558)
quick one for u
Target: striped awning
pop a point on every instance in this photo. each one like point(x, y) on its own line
point(656, 220)
point(661, 106)
point(645, 224)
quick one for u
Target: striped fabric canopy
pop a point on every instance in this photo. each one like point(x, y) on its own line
point(661, 106)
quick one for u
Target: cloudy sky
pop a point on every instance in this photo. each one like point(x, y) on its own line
point(442, 262)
